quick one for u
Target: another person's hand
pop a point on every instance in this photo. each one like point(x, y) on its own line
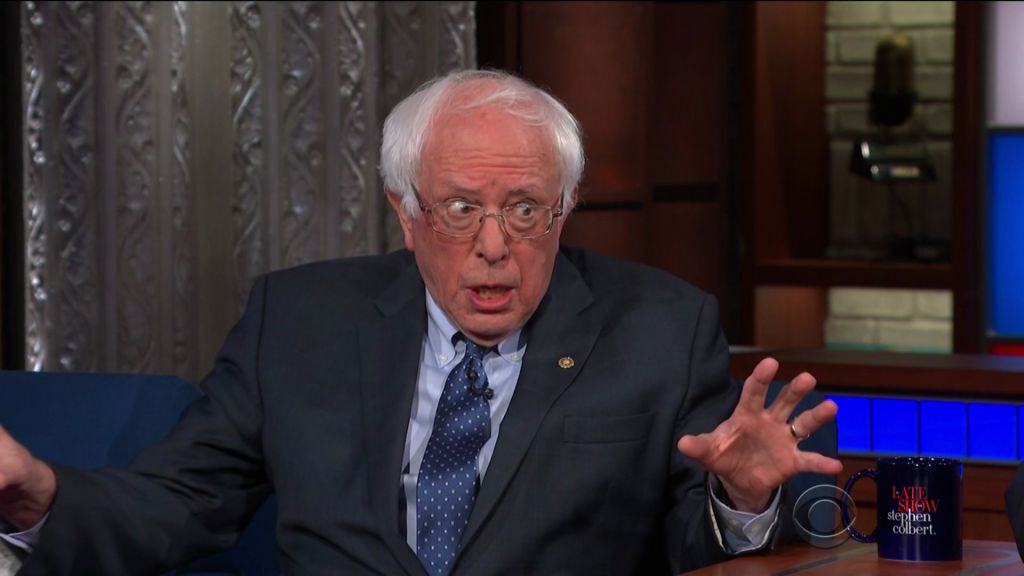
point(27, 484)
point(756, 449)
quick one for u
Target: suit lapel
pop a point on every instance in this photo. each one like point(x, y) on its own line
point(556, 333)
point(390, 348)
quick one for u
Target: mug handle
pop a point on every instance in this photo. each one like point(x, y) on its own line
point(869, 538)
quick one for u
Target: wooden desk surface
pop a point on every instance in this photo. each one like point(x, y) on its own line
point(981, 558)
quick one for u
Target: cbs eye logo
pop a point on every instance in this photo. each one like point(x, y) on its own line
point(823, 515)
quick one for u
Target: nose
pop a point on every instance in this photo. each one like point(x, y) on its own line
point(491, 243)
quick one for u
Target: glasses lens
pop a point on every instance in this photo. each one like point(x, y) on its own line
point(457, 217)
point(524, 220)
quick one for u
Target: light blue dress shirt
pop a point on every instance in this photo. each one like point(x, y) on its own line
point(438, 358)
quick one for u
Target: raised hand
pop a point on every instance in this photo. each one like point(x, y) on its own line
point(756, 449)
point(27, 485)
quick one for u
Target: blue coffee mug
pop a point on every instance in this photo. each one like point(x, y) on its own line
point(920, 508)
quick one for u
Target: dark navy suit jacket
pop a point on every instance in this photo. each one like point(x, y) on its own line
point(310, 398)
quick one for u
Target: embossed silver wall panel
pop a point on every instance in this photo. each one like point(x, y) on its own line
point(302, 131)
point(136, 201)
point(74, 233)
point(37, 68)
point(179, 280)
point(175, 151)
point(249, 164)
point(357, 121)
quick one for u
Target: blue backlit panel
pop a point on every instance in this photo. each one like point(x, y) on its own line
point(1006, 234)
point(1020, 433)
point(943, 428)
point(929, 427)
point(894, 426)
point(854, 423)
point(992, 431)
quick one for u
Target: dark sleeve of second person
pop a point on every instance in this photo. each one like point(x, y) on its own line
point(1015, 507)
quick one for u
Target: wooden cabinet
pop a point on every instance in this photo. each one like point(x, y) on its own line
point(786, 276)
point(708, 154)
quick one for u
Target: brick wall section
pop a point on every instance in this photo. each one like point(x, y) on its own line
point(863, 214)
point(890, 319)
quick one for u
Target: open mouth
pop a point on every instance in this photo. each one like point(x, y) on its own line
point(490, 292)
point(487, 298)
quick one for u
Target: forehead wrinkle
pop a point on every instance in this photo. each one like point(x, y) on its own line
point(511, 194)
point(459, 182)
point(522, 156)
point(473, 171)
point(510, 160)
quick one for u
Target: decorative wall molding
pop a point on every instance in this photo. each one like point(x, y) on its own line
point(173, 152)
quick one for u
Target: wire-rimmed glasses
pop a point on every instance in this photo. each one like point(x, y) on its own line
point(460, 218)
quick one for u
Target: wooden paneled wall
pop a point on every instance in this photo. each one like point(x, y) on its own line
point(649, 82)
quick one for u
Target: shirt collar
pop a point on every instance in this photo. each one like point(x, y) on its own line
point(440, 331)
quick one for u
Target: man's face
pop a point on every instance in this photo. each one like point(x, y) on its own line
point(489, 285)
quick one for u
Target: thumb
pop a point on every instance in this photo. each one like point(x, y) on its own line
point(695, 447)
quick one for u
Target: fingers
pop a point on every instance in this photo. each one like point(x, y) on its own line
point(819, 464)
point(791, 395)
point(755, 387)
point(809, 421)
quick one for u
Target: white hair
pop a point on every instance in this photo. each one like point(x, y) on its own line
point(406, 127)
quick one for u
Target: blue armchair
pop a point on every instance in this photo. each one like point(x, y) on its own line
point(97, 420)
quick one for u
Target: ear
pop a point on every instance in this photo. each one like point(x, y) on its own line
point(403, 218)
point(560, 222)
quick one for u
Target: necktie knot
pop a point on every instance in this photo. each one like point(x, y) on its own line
point(473, 350)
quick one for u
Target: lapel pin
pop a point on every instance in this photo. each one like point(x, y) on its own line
point(566, 362)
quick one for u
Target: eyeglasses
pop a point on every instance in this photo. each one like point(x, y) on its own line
point(461, 219)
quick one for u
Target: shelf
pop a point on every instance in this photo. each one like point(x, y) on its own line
point(822, 272)
point(955, 375)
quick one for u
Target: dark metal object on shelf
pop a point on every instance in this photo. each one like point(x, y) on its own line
point(892, 96)
point(896, 155)
point(899, 162)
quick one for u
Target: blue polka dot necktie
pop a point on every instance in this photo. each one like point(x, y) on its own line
point(446, 485)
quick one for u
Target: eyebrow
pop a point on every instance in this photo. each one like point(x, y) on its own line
point(514, 195)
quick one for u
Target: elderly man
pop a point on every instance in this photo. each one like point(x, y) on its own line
point(486, 402)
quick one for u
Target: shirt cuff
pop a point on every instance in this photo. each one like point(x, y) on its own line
point(26, 539)
point(741, 531)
